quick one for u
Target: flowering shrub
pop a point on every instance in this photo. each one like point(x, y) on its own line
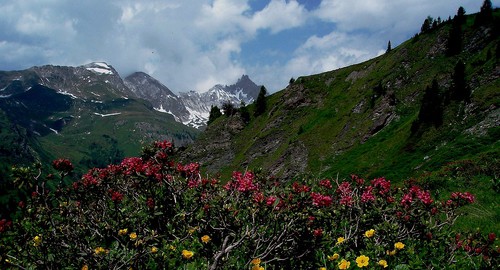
point(150, 212)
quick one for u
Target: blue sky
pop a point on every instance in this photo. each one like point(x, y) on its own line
point(195, 44)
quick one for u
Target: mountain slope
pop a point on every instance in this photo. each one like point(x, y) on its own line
point(84, 113)
point(359, 119)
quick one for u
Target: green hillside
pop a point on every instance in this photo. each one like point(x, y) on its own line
point(366, 119)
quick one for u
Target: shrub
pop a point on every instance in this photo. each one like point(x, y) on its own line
point(150, 212)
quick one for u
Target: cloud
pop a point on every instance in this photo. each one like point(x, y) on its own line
point(194, 44)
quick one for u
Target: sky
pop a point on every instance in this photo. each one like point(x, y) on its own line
point(195, 44)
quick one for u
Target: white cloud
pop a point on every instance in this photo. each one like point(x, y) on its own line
point(194, 44)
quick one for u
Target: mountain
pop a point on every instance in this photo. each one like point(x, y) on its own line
point(406, 113)
point(85, 113)
point(163, 100)
point(191, 108)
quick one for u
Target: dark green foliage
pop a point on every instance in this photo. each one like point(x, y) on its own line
point(261, 103)
point(461, 16)
point(485, 15)
point(426, 26)
point(244, 113)
point(431, 108)
point(292, 80)
point(214, 114)
point(228, 108)
point(459, 90)
point(389, 47)
point(455, 38)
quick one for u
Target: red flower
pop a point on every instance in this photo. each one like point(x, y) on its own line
point(367, 195)
point(318, 232)
point(321, 200)
point(62, 165)
point(116, 196)
point(150, 203)
point(325, 183)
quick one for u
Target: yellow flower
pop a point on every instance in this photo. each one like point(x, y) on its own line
point(340, 240)
point(85, 267)
point(370, 233)
point(344, 264)
point(192, 230)
point(255, 261)
point(37, 240)
point(362, 261)
point(391, 252)
point(205, 239)
point(154, 249)
point(171, 247)
point(383, 263)
point(133, 236)
point(333, 257)
point(99, 250)
point(399, 245)
point(186, 254)
point(123, 232)
point(322, 268)
point(257, 267)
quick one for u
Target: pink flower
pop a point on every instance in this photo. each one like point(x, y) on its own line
point(318, 232)
point(367, 195)
point(298, 188)
point(271, 200)
point(116, 196)
point(321, 200)
point(62, 165)
point(346, 200)
point(382, 185)
point(325, 183)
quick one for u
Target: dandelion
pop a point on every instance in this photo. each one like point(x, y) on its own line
point(333, 257)
point(362, 261)
point(340, 240)
point(186, 254)
point(399, 245)
point(37, 240)
point(370, 233)
point(99, 250)
point(344, 264)
point(154, 249)
point(255, 261)
point(123, 232)
point(205, 239)
point(383, 263)
point(132, 236)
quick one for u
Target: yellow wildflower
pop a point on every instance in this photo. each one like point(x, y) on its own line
point(344, 264)
point(154, 249)
point(399, 245)
point(383, 263)
point(186, 254)
point(171, 247)
point(99, 250)
point(333, 257)
point(370, 233)
point(192, 230)
point(391, 252)
point(205, 239)
point(85, 267)
point(37, 240)
point(133, 236)
point(362, 261)
point(340, 240)
point(257, 267)
point(123, 232)
point(255, 261)
point(322, 268)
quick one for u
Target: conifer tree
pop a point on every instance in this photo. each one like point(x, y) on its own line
point(460, 91)
point(261, 103)
point(485, 15)
point(214, 114)
point(389, 47)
